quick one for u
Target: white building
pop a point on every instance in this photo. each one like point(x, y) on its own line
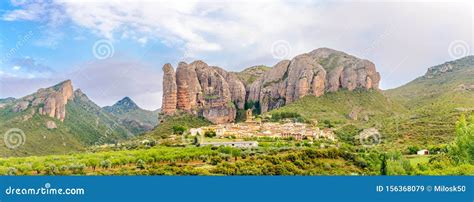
point(423, 152)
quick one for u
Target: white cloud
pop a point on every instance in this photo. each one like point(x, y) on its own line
point(16, 67)
point(402, 38)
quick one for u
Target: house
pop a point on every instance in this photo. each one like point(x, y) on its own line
point(423, 152)
point(325, 134)
point(220, 132)
point(242, 144)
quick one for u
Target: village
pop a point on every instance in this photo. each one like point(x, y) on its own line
point(252, 128)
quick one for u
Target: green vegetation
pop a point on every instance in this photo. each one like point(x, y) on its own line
point(434, 102)
point(180, 121)
point(85, 124)
point(37, 138)
point(462, 151)
point(332, 110)
point(335, 107)
point(210, 134)
point(135, 119)
point(269, 159)
point(278, 116)
point(251, 74)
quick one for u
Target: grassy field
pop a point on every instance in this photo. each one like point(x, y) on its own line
point(416, 159)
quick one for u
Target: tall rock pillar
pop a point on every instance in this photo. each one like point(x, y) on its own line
point(170, 90)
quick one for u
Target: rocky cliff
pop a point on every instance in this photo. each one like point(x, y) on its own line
point(216, 94)
point(322, 70)
point(202, 90)
point(49, 101)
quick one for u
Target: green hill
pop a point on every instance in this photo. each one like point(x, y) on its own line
point(183, 120)
point(27, 131)
point(337, 107)
point(435, 102)
point(348, 113)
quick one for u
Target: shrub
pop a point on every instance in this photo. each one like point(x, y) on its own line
point(179, 129)
point(140, 164)
point(210, 133)
point(106, 164)
point(463, 148)
point(413, 149)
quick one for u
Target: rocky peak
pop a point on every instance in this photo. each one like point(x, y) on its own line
point(459, 64)
point(126, 104)
point(440, 69)
point(49, 101)
point(314, 73)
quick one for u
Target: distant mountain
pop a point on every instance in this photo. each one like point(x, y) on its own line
point(56, 120)
point(436, 100)
point(133, 117)
point(451, 83)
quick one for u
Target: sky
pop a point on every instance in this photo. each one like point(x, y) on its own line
point(111, 49)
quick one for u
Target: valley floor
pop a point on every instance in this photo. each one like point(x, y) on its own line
point(269, 159)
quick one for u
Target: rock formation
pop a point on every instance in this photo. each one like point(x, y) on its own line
point(202, 90)
point(322, 70)
point(216, 94)
point(49, 101)
point(169, 90)
point(51, 125)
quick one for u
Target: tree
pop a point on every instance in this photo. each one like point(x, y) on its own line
point(38, 167)
point(140, 164)
point(93, 163)
point(462, 151)
point(105, 164)
point(236, 153)
point(210, 133)
point(413, 149)
point(196, 140)
point(179, 129)
point(383, 166)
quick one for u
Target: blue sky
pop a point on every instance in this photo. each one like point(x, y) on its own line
point(111, 49)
